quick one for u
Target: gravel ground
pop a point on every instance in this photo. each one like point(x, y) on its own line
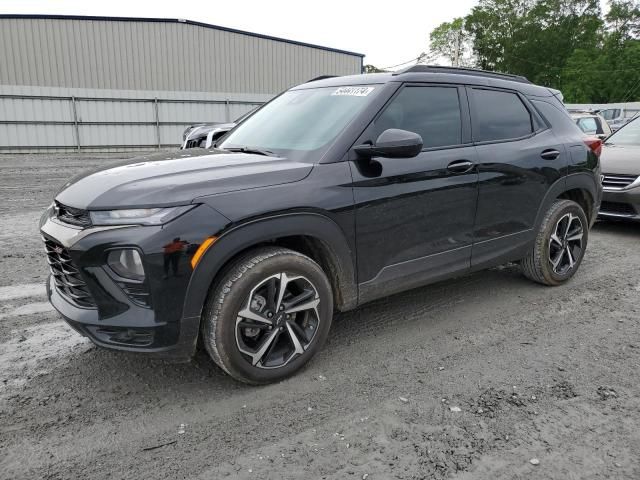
point(484, 377)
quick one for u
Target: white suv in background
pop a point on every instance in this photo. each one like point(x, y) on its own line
point(592, 124)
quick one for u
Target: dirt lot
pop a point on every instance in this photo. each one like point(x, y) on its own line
point(470, 379)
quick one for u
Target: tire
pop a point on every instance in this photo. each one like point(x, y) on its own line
point(552, 244)
point(245, 333)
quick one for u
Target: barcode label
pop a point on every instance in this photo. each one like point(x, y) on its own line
point(354, 91)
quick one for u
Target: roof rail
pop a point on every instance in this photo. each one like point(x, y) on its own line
point(461, 71)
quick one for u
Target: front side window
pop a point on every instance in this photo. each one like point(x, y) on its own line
point(499, 115)
point(300, 121)
point(431, 112)
point(627, 135)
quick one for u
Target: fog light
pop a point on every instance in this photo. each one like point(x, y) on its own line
point(126, 263)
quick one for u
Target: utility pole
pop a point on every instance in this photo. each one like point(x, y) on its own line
point(456, 51)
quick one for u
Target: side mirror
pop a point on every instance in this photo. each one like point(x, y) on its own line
point(392, 143)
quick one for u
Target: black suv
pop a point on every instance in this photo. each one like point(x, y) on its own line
point(335, 193)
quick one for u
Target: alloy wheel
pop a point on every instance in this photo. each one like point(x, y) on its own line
point(278, 320)
point(565, 244)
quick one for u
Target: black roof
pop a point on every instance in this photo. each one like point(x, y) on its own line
point(177, 20)
point(437, 74)
point(462, 71)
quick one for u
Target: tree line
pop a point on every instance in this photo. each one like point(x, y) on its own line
point(571, 45)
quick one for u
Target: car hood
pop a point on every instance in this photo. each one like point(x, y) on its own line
point(621, 159)
point(176, 178)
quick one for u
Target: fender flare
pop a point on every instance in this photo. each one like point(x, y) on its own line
point(242, 237)
point(582, 180)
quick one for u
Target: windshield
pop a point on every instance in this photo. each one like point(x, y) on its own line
point(300, 121)
point(627, 135)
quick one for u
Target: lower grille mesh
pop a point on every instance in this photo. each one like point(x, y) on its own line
point(617, 208)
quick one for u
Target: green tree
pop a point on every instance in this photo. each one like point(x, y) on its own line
point(623, 19)
point(493, 26)
point(451, 41)
point(609, 71)
point(372, 69)
point(565, 44)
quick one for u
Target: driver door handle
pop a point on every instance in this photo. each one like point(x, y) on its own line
point(460, 166)
point(550, 154)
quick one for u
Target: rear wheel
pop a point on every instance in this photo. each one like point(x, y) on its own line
point(560, 244)
point(268, 316)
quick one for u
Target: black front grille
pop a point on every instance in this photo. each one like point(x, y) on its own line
point(137, 292)
point(73, 216)
point(66, 275)
point(617, 181)
point(198, 142)
point(124, 336)
point(617, 208)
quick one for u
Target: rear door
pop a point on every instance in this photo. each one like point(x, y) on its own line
point(519, 158)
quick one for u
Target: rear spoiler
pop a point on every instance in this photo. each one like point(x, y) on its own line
point(557, 94)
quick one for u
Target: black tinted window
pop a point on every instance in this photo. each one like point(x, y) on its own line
point(431, 112)
point(499, 116)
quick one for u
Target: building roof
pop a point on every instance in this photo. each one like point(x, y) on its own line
point(176, 20)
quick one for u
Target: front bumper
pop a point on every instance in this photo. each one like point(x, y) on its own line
point(114, 316)
point(620, 204)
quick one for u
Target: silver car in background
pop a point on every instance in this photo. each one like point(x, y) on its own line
point(204, 135)
point(620, 161)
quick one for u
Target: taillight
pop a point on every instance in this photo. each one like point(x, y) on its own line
point(595, 144)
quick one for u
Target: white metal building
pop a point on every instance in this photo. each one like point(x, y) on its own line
point(102, 83)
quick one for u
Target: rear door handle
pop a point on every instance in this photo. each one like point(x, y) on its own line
point(550, 154)
point(460, 166)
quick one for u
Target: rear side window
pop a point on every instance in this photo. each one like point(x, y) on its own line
point(431, 112)
point(499, 116)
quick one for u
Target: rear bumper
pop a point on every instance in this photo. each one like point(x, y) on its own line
point(620, 205)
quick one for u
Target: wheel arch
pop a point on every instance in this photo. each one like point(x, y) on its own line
point(579, 187)
point(583, 198)
point(311, 234)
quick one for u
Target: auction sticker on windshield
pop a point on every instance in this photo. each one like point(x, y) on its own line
point(354, 91)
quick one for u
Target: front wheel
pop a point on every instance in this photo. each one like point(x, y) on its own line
point(560, 244)
point(268, 315)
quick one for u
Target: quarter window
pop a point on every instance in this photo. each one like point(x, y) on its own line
point(431, 112)
point(499, 116)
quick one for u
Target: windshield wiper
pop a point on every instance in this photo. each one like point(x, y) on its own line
point(257, 151)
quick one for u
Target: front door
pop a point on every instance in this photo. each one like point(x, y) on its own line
point(415, 216)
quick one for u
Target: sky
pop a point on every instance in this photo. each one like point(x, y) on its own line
point(388, 33)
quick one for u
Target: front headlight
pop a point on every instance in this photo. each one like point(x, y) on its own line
point(138, 216)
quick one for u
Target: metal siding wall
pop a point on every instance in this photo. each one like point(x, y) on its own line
point(138, 60)
point(107, 124)
point(156, 56)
